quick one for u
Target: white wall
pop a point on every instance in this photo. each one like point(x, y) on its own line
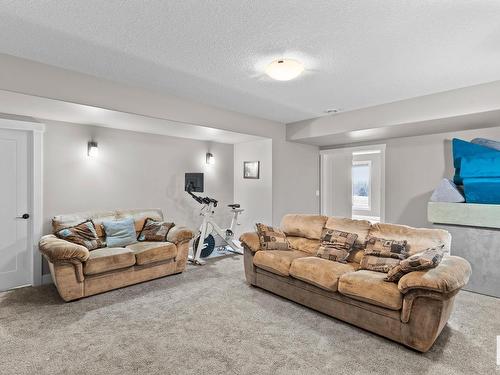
point(295, 166)
point(133, 170)
point(414, 167)
point(254, 195)
point(295, 178)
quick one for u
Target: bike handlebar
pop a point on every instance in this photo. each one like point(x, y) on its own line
point(201, 200)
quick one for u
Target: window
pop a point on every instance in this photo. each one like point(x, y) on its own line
point(361, 185)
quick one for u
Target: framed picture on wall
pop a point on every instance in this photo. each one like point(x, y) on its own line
point(251, 169)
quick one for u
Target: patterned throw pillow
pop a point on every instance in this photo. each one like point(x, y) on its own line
point(271, 238)
point(82, 234)
point(153, 230)
point(379, 264)
point(336, 245)
point(426, 259)
point(381, 247)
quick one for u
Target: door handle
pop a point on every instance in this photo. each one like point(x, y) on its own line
point(24, 216)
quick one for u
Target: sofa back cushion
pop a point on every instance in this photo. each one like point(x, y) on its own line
point(418, 239)
point(68, 220)
point(300, 225)
point(378, 264)
point(140, 215)
point(359, 227)
point(304, 244)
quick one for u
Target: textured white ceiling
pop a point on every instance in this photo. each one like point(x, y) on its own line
point(357, 53)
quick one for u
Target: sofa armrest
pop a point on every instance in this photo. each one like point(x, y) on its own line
point(58, 250)
point(251, 241)
point(179, 235)
point(451, 274)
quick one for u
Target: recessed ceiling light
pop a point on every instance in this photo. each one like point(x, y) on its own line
point(284, 69)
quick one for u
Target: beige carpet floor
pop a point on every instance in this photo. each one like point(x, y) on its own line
point(209, 321)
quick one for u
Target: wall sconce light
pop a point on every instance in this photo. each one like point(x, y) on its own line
point(92, 150)
point(210, 158)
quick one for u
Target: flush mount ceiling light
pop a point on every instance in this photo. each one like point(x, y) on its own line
point(284, 69)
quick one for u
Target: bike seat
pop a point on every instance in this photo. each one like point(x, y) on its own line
point(234, 205)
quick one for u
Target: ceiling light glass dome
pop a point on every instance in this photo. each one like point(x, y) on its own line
point(284, 69)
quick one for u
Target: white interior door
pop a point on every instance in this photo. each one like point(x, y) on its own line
point(335, 183)
point(15, 255)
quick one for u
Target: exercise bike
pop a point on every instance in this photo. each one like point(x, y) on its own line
point(204, 242)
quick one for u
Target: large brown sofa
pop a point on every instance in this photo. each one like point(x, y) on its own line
point(78, 272)
point(412, 311)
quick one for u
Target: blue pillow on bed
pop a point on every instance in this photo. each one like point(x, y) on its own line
point(119, 233)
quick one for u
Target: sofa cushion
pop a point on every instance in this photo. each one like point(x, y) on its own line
point(277, 261)
point(336, 245)
point(97, 217)
point(378, 264)
point(108, 259)
point(369, 286)
point(418, 239)
point(149, 252)
point(140, 216)
point(154, 230)
point(308, 226)
point(304, 244)
point(271, 238)
point(356, 255)
point(319, 272)
point(359, 227)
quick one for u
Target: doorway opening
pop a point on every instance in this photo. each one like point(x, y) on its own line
point(353, 182)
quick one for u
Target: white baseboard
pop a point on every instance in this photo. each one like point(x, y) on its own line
point(46, 279)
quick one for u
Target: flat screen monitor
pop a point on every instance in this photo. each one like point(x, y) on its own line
point(195, 181)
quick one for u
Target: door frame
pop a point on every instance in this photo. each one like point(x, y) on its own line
point(35, 132)
point(361, 149)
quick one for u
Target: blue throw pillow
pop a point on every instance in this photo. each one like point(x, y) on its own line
point(482, 190)
point(463, 149)
point(119, 233)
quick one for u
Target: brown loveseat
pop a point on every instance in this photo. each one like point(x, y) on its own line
point(78, 272)
point(412, 311)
